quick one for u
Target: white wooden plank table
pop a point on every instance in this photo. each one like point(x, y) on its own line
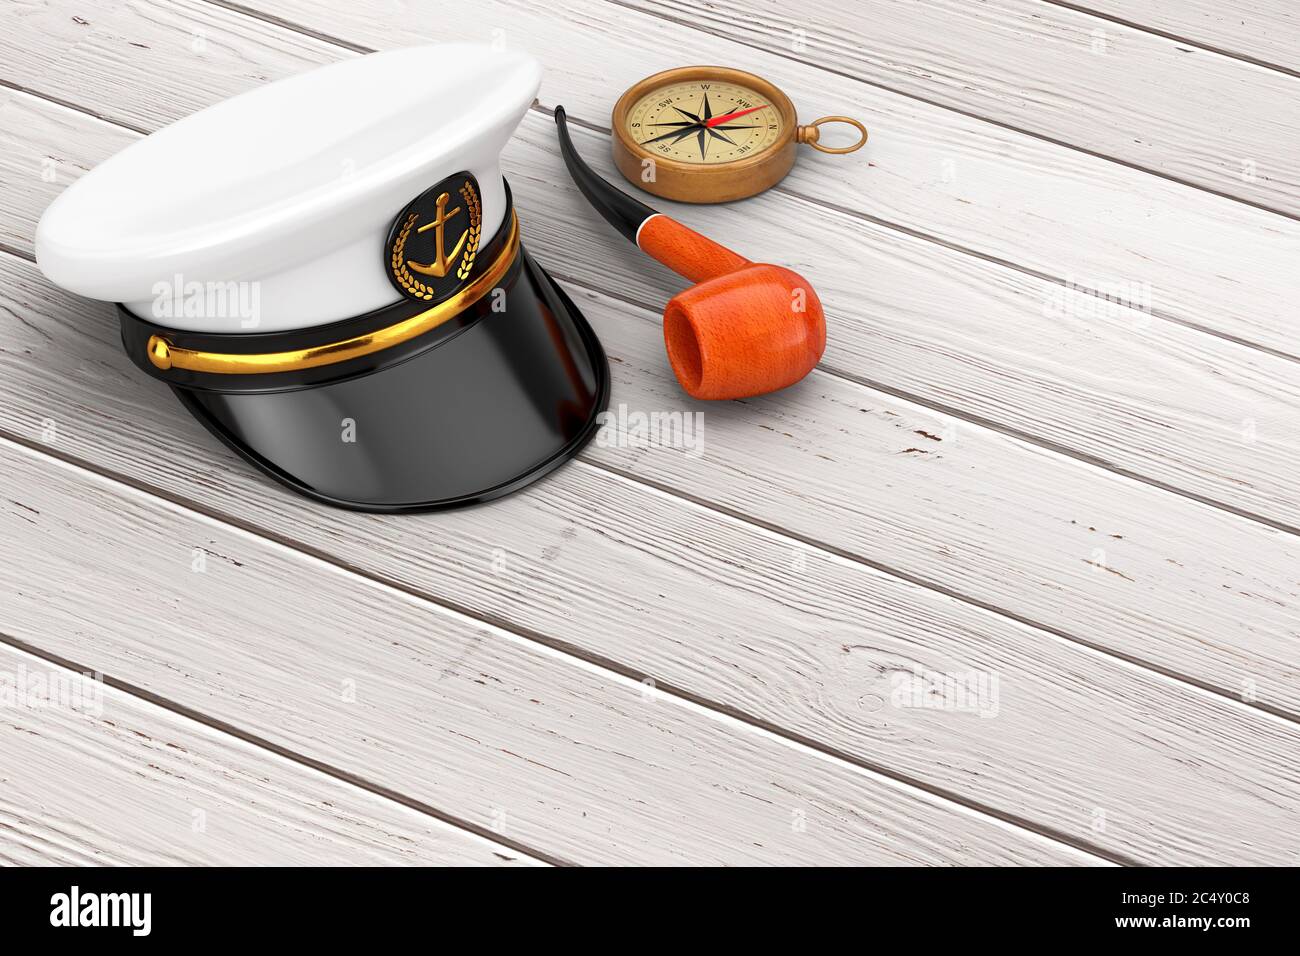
point(735, 656)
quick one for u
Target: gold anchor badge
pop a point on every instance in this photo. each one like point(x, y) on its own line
point(442, 262)
point(442, 276)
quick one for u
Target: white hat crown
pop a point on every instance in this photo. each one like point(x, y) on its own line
point(292, 186)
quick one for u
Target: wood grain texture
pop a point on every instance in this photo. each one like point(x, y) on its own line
point(790, 635)
point(1107, 382)
point(587, 766)
point(1119, 92)
point(1220, 663)
point(758, 667)
point(1094, 225)
point(1263, 31)
point(98, 777)
point(922, 321)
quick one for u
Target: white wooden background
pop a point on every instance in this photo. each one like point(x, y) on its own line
point(657, 658)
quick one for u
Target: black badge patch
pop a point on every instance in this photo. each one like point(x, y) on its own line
point(431, 248)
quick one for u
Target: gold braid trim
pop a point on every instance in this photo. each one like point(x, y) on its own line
point(164, 354)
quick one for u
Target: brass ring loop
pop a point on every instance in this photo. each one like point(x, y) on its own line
point(810, 134)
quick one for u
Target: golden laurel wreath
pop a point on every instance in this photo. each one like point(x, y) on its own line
point(475, 230)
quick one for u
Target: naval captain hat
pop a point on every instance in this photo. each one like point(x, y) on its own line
point(328, 272)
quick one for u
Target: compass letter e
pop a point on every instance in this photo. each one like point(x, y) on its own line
point(442, 262)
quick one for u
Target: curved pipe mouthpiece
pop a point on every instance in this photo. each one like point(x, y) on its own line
point(743, 329)
point(619, 209)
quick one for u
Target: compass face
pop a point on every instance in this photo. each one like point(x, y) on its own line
point(704, 122)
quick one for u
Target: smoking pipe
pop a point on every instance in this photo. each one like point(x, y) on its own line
point(744, 328)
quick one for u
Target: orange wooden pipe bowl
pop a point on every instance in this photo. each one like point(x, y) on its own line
point(744, 329)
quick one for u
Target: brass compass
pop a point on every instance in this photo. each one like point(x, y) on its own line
point(707, 134)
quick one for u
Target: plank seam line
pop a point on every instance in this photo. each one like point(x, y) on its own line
point(1009, 265)
point(145, 699)
point(67, 105)
point(863, 383)
point(752, 521)
point(782, 189)
point(976, 420)
point(976, 254)
point(498, 842)
point(292, 27)
point(359, 48)
point(1155, 31)
point(1001, 124)
point(1181, 681)
point(734, 719)
point(849, 376)
point(1081, 457)
point(756, 522)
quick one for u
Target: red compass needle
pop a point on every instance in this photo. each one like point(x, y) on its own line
point(725, 117)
